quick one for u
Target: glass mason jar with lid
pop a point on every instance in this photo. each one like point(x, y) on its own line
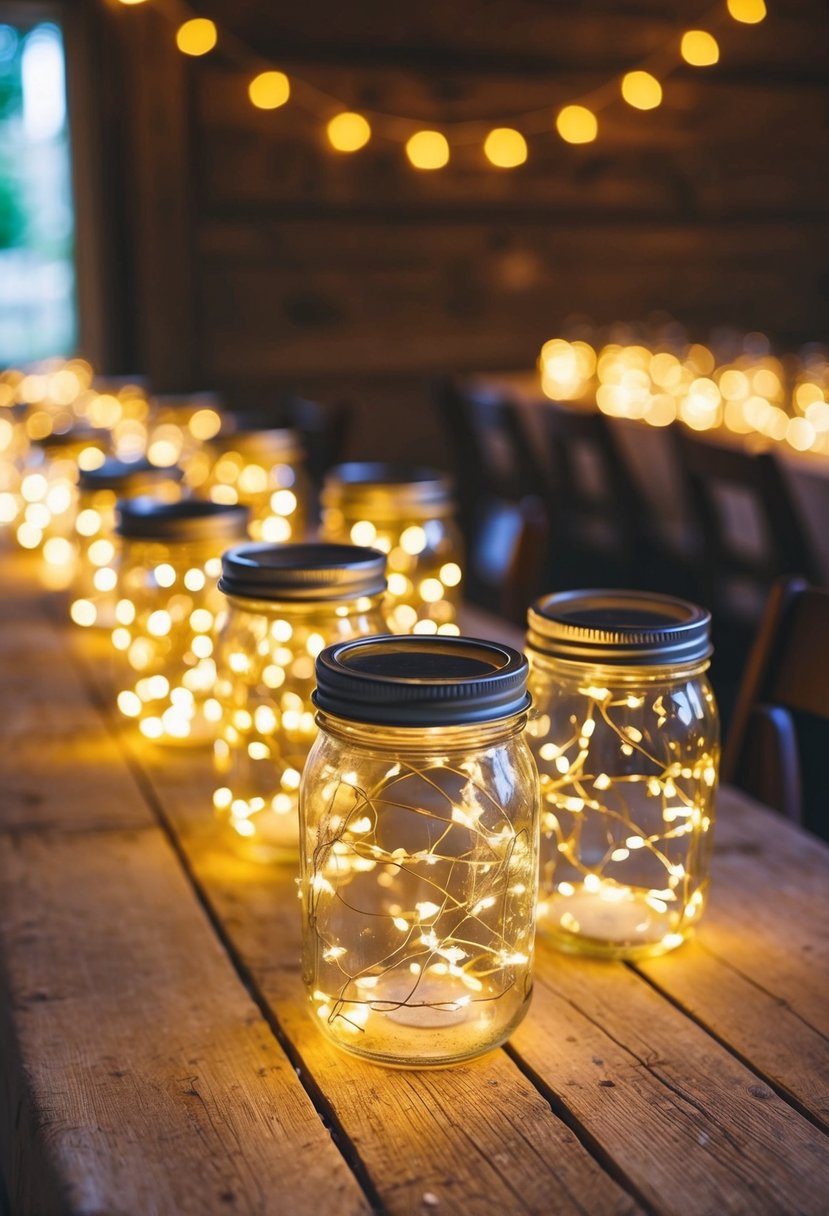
point(93, 587)
point(166, 613)
point(49, 496)
point(285, 603)
point(408, 513)
point(626, 736)
point(262, 469)
point(418, 823)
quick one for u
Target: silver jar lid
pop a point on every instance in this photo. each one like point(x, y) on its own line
point(127, 476)
point(376, 489)
point(191, 519)
point(619, 628)
point(302, 573)
point(421, 680)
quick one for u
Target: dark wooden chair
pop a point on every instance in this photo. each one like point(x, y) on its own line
point(525, 574)
point(604, 532)
point(747, 529)
point(777, 747)
point(495, 466)
point(746, 534)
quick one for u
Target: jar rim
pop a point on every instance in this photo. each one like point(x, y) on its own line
point(421, 680)
point(618, 627)
point(302, 572)
point(384, 489)
point(190, 519)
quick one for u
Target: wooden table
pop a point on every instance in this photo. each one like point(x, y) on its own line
point(157, 1057)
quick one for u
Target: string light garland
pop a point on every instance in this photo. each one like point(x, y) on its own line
point(503, 144)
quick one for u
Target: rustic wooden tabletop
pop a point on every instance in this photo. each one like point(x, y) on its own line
point(157, 1057)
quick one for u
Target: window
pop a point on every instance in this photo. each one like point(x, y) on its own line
point(37, 275)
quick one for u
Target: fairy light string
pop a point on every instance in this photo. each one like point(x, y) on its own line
point(428, 147)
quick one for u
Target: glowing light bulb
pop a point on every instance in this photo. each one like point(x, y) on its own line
point(428, 150)
point(196, 37)
point(641, 90)
point(577, 125)
point(505, 148)
point(269, 90)
point(348, 132)
point(749, 12)
point(699, 48)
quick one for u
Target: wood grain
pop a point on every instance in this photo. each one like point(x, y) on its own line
point(60, 766)
point(142, 1072)
point(694, 1130)
point(478, 1138)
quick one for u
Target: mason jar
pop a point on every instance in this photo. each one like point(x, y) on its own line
point(262, 469)
point(418, 823)
point(285, 603)
point(167, 611)
point(625, 732)
point(178, 423)
point(49, 497)
point(95, 541)
point(408, 513)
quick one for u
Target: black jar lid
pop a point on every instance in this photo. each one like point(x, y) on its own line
point(192, 519)
point(126, 475)
point(79, 433)
point(302, 572)
point(421, 680)
point(277, 444)
point(619, 628)
point(373, 487)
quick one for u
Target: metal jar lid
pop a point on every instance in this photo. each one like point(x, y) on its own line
point(192, 519)
point(268, 445)
point(376, 489)
point(619, 628)
point(302, 573)
point(417, 680)
point(81, 433)
point(127, 476)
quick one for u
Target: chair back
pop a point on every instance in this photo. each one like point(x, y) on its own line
point(595, 501)
point(778, 742)
point(748, 531)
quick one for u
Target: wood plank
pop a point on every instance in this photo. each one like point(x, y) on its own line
point(136, 1072)
point(477, 1138)
point(768, 916)
point(141, 1077)
point(61, 767)
point(694, 1130)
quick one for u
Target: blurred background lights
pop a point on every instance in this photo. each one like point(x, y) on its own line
point(428, 150)
point(197, 36)
point(505, 147)
point(699, 48)
point(577, 125)
point(747, 11)
point(641, 90)
point(269, 90)
point(348, 132)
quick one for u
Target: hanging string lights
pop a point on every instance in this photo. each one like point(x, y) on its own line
point(504, 146)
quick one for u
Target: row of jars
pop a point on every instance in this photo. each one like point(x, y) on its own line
point(434, 816)
point(57, 495)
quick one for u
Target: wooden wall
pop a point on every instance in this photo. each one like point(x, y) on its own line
point(251, 258)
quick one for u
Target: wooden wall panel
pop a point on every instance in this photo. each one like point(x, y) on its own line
point(316, 271)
